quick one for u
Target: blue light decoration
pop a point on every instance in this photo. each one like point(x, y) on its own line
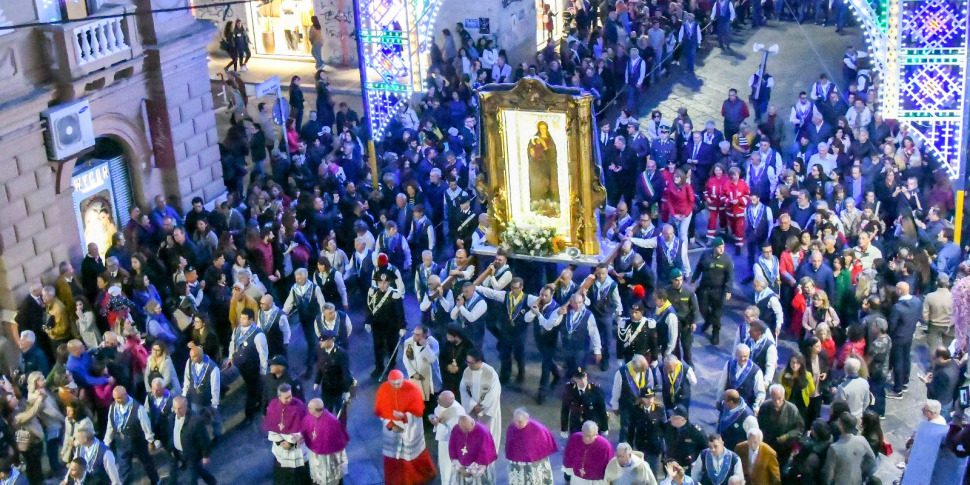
point(919, 47)
point(396, 36)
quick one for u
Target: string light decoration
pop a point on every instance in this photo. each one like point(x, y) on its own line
point(396, 36)
point(919, 49)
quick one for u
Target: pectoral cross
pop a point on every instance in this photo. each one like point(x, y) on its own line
point(281, 426)
point(314, 435)
point(464, 450)
point(582, 471)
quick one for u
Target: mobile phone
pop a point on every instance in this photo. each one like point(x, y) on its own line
point(963, 397)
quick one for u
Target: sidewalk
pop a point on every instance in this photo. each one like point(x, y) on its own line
point(342, 80)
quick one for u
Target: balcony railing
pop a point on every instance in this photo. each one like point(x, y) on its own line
point(86, 46)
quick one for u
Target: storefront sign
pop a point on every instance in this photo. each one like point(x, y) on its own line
point(471, 23)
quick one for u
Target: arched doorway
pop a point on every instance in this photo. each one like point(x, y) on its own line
point(102, 193)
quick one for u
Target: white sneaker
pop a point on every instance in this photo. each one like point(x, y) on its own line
point(244, 68)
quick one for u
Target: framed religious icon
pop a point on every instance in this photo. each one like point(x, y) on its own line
point(541, 167)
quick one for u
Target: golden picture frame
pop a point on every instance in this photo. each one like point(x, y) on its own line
point(549, 173)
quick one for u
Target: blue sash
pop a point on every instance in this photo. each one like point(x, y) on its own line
point(572, 324)
point(719, 477)
point(728, 417)
point(732, 370)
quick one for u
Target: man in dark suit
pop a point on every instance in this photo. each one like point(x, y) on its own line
point(620, 165)
point(188, 444)
point(604, 138)
point(91, 267)
point(699, 156)
point(32, 315)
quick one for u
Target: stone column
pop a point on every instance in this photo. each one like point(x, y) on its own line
point(180, 105)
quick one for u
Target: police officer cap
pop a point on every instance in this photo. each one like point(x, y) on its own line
point(646, 392)
point(676, 273)
point(579, 373)
point(680, 410)
point(454, 328)
point(718, 241)
point(278, 360)
point(328, 335)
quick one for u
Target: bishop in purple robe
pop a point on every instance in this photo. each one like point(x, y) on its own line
point(326, 442)
point(528, 445)
point(283, 424)
point(472, 453)
point(586, 457)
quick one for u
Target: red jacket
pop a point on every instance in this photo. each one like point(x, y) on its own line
point(714, 190)
point(735, 197)
point(678, 201)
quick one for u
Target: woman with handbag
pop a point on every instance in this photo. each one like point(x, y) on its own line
point(50, 417)
point(27, 431)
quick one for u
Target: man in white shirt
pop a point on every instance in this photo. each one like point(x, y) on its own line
point(743, 375)
point(202, 386)
point(249, 353)
point(98, 458)
point(130, 435)
point(189, 444)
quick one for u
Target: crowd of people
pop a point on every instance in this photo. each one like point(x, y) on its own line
point(839, 220)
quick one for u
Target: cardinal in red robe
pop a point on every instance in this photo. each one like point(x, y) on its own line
point(400, 407)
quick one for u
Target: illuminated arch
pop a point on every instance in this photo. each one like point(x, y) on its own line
point(919, 47)
point(395, 38)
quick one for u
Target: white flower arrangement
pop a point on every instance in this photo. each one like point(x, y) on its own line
point(531, 240)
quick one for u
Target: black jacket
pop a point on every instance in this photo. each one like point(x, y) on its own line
point(195, 438)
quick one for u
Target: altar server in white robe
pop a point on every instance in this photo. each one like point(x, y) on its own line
point(481, 394)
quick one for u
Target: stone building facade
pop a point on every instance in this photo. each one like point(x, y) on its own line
point(144, 74)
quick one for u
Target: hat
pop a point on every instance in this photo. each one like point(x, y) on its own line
point(189, 269)
point(453, 131)
point(633, 124)
point(579, 373)
point(664, 127)
point(114, 291)
point(278, 360)
point(943, 279)
point(464, 199)
point(676, 273)
point(680, 410)
point(646, 392)
point(395, 375)
point(326, 130)
point(383, 275)
point(382, 260)
point(328, 334)
point(639, 292)
point(718, 241)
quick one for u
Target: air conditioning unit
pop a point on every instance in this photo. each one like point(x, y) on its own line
point(69, 130)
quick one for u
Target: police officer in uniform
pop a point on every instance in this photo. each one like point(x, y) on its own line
point(278, 374)
point(466, 222)
point(582, 401)
point(385, 319)
point(684, 302)
point(684, 440)
point(333, 377)
point(248, 352)
point(646, 432)
point(716, 273)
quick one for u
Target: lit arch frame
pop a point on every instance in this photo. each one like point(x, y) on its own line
point(919, 48)
point(394, 41)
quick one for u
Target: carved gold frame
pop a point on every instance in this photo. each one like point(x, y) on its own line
point(586, 191)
